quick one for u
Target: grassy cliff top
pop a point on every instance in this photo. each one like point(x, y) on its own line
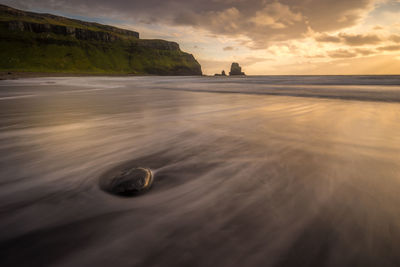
point(33, 42)
point(11, 14)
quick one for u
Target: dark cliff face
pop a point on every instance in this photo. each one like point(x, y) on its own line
point(79, 33)
point(159, 44)
point(45, 22)
point(44, 42)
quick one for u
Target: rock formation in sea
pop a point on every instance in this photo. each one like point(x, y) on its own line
point(236, 69)
point(222, 74)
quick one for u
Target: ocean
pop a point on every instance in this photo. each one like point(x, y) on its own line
point(250, 171)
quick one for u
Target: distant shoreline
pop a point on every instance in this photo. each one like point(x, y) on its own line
point(14, 75)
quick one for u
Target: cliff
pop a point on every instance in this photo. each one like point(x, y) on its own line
point(48, 43)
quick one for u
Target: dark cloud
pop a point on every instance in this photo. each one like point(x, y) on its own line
point(360, 39)
point(228, 48)
point(364, 51)
point(316, 56)
point(389, 48)
point(350, 39)
point(325, 38)
point(395, 38)
point(346, 53)
point(262, 21)
point(341, 53)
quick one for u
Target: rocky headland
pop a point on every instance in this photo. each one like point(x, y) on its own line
point(33, 42)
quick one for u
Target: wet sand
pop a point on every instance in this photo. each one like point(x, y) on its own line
point(13, 75)
point(245, 174)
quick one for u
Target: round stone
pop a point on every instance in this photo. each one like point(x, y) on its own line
point(132, 181)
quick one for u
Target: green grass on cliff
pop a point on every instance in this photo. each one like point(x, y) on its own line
point(50, 19)
point(28, 51)
point(25, 51)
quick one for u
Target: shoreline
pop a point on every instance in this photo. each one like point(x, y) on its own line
point(14, 75)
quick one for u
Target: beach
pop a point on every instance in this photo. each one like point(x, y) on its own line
point(250, 171)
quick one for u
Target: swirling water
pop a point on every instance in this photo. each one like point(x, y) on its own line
point(256, 171)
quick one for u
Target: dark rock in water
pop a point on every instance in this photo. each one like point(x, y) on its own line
point(222, 74)
point(236, 69)
point(131, 182)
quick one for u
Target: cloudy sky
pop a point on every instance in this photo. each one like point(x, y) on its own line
point(264, 36)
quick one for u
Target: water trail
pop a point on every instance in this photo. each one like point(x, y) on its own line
point(240, 179)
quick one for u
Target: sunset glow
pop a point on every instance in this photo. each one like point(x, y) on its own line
point(266, 37)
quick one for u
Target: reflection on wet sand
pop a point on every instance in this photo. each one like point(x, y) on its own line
point(239, 179)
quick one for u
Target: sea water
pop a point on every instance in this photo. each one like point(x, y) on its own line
point(250, 171)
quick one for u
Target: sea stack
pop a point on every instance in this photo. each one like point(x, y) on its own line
point(236, 69)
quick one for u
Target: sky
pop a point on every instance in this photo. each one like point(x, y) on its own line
point(277, 37)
